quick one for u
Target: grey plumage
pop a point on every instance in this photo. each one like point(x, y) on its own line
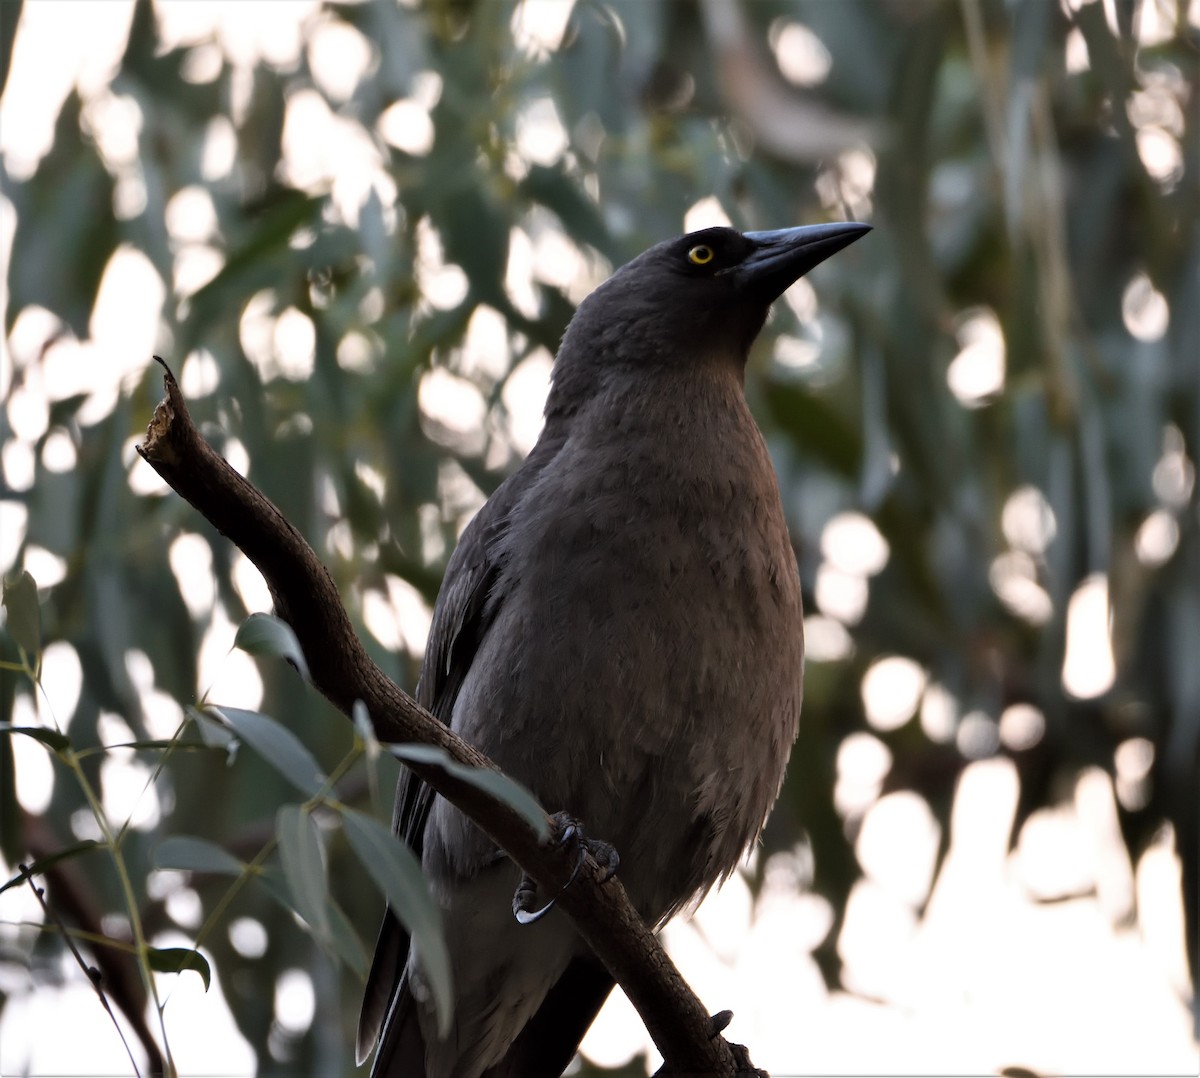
point(620, 629)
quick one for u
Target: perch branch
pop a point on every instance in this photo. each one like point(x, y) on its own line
point(306, 598)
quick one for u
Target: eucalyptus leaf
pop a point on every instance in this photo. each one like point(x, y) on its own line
point(495, 783)
point(276, 744)
point(191, 854)
point(24, 620)
point(162, 744)
point(52, 739)
point(303, 865)
point(36, 868)
point(178, 959)
point(214, 734)
point(344, 940)
point(397, 873)
point(262, 634)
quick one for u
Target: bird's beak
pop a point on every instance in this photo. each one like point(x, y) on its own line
point(781, 257)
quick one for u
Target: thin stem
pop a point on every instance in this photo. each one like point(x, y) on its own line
point(152, 779)
point(321, 797)
point(93, 975)
point(252, 868)
point(135, 920)
point(81, 934)
point(34, 673)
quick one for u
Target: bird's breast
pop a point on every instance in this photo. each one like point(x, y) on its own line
point(643, 670)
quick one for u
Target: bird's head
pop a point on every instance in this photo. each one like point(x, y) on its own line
point(695, 299)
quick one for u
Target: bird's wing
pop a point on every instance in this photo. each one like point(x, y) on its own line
point(454, 635)
point(466, 607)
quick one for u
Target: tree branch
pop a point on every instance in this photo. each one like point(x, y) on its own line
point(306, 598)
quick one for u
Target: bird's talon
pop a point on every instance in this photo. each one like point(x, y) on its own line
point(606, 857)
point(523, 902)
point(567, 831)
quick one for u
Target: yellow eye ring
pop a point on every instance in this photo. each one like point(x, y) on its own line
point(701, 255)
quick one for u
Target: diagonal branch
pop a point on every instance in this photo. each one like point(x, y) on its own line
point(306, 598)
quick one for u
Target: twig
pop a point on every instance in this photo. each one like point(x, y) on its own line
point(94, 975)
point(117, 969)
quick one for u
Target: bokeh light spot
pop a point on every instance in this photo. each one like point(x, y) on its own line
point(1088, 668)
point(891, 690)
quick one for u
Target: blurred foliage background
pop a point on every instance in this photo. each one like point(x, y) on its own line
point(357, 232)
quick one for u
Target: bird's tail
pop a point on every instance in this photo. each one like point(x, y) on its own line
point(402, 1046)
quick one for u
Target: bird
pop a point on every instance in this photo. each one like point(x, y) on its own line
point(620, 629)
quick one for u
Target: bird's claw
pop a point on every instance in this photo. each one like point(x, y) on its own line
point(567, 831)
point(523, 902)
point(526, 894)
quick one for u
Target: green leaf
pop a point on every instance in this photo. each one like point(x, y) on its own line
point(154, 744)
point(495, 783)
point(262, 634)
point(345, 940)
point(342, 940)
point(195, 855)
point(39, 866)
point(561, 192)
point(177, 959)
point(282, 749)
point(213, 733)
point(303, 865)
point(397, 873)
point(66, 231)
point(261, 257)
point(475, 235)
point(24, 614)
point(276, 885)
point(52, 739)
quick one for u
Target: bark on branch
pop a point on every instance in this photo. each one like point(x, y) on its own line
point(306, 598)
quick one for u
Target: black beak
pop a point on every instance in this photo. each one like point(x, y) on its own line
point(781, 257)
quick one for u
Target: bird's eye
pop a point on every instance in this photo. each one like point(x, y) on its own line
point(700, 255)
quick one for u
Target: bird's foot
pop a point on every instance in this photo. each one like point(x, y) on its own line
point(570, 830)
point(567, 831)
